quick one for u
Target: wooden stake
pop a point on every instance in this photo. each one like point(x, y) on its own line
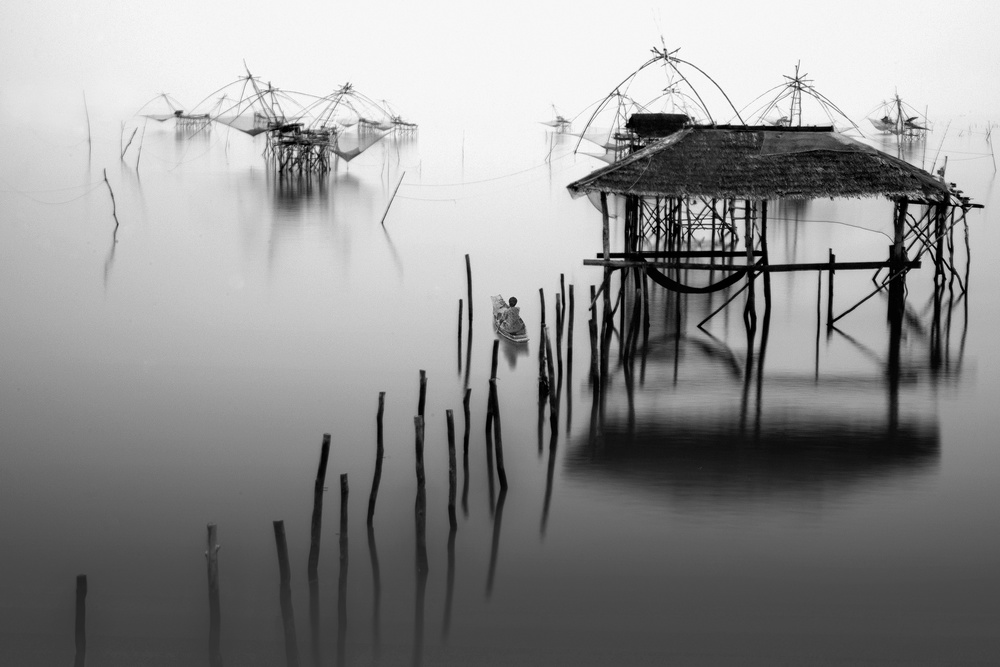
point(376, 592)
point(420, 515)
point(829, 290)
point(562, 293)
point(379, 451)
point(342, 578)
point(498, 440)
point(452, 522)
point(214, 612)
point(459, 335)
point(81, 621)
point(114, 209)
point(285, 592)
point(317, 513)
point(86, 112)
point(139, 155)
point(423, 393)
point(452, 472)
point(382, 222)
point(124, 150)
point(468, 275)
point(553, 394)
point(569, 332)
point(594, 373)
point(465, 452)
point(489, 397)
point(543, 380)
point(418, 423)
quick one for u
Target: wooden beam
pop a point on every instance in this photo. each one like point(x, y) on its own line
point(758, 268)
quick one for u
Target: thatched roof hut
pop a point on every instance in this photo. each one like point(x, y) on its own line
point(761, 163)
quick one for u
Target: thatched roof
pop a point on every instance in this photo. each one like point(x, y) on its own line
point(755, 163)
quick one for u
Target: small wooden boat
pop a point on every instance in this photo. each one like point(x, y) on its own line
point(517, 333)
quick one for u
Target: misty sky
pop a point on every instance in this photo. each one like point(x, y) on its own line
point(453, 61)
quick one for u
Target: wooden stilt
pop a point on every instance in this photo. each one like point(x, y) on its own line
point(468, 275)
point(465, 452)
point(829, 289)
point(81, 621)
point(285, 592)
point(316, 525)
point(423, 393)
point(420, 516)
point(342, 577)
point(214, 607)
point(379, 452)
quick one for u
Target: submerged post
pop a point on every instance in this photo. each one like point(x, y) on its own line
point(342, 578)
point(465, 451)
point(829, 290)
point(317, 513)
point(495, 410)
point(468, 275)
point(420, 518)
point(285, 594)
point(569, 333)
point(452, 469)
point(214, 613)
point(379, 451)
point(423, 393)
point(81, 621)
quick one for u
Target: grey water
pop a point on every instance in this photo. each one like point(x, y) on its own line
point(808, 502)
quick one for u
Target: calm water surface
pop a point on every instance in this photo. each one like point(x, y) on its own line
point(798, 505)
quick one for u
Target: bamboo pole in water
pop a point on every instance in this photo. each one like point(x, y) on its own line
point(379, 452)
point(560, 308)
point(139, 155)
point(452, 472)
point(468, 276)
point(316, 525)
point(423, 393)
point(569, 331)
point(569, 360)
point(594, 373)
point(459, 335)
point(495, 404)
point(86, 111)
point(214, 613)
point(392, 198)
point(285, 594)
point(342, 578)
point(452, 522)
point(81, 621)
point(553, 395)
point(465, 451)
point(421, 510)
point(562, 293)
point(376, 592)
point(372, 549)
point(543, 381)
point(420, 517)
point(114, 208)
point(489, 397)
point(829, 290)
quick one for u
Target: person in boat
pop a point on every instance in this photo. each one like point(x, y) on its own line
point(509, 319)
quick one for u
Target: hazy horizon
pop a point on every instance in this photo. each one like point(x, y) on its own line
point(456, 63)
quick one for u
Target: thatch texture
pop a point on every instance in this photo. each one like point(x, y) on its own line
point(756, 163)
